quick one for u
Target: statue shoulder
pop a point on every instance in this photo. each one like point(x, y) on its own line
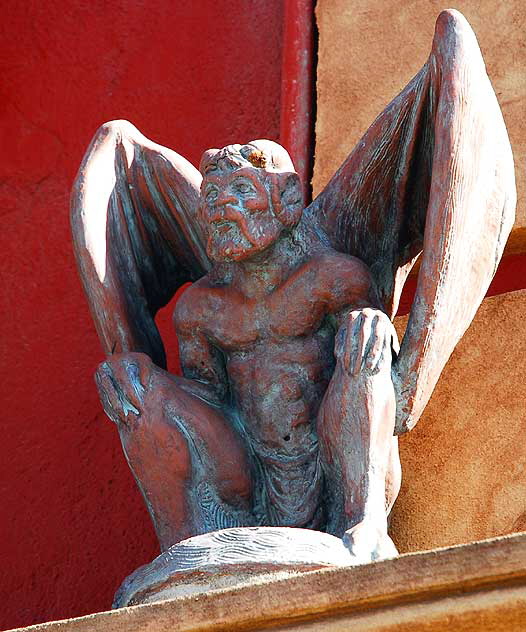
point(333, 265)
point(192, 309)
point(342, 279)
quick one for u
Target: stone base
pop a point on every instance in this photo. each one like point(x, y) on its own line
point(478, 587)
point(228, 558)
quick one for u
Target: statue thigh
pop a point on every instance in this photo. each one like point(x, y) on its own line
point(189, 463)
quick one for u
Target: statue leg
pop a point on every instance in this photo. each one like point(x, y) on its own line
point(189, 462)
point(360, 457)
point(393, 477)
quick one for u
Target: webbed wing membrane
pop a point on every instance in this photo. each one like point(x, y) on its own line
point(433, 174)
point(135, 235)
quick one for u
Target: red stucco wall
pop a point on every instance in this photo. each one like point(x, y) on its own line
point(190, 75)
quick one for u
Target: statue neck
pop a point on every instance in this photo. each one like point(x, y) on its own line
point(262, 273)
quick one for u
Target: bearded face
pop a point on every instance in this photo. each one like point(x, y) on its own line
point(236, 210)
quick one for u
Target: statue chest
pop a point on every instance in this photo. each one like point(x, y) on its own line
point(240, 324)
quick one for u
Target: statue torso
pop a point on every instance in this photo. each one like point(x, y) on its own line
point(278, 353)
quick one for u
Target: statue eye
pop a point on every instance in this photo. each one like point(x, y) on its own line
point(211, 194)
point(243, 187)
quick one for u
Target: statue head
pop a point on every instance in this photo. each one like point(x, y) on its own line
point(250, 194)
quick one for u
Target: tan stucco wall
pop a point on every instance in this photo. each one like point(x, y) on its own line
point(368, 51)
point(464, 465)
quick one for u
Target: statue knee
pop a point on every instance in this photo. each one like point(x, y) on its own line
point(124, 383)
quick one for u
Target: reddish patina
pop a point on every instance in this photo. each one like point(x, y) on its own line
point(294, 385)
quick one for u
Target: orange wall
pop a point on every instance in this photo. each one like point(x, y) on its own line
point(190, 75)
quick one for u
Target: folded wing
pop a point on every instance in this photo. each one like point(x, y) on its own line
point(433, 176)
point(135, 234)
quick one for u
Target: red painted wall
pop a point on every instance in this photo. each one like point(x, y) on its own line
point(190, 75)
point(510, 276)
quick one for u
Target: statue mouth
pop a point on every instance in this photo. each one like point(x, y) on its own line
point(223, 226)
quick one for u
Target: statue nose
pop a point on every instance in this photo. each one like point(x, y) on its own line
point(225, 198)
point(226, 207)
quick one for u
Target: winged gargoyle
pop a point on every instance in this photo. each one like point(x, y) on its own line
point(294, 388)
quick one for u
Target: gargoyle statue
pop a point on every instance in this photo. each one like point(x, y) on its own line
point(294, 387)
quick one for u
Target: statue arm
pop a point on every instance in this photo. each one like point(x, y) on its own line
point(201, 362)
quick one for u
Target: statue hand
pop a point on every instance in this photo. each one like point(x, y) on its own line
point(121, 381)
point(365, 341)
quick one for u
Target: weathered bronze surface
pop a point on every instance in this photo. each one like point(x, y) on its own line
point(294, 385)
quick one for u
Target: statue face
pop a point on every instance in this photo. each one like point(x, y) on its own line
point(236, 209)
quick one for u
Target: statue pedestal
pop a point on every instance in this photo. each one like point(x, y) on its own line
point(477, 587)
point(229, 558)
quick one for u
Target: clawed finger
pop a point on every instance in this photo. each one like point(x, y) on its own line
point(385, 348)
point(375, 353)
point(363, 339)
point(355, 319)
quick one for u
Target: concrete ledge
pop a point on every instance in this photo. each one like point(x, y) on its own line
point(473, 587)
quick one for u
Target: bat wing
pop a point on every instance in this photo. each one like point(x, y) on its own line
point(433, 176)
point(135, 234)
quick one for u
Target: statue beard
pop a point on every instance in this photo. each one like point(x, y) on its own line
point(234, 241)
